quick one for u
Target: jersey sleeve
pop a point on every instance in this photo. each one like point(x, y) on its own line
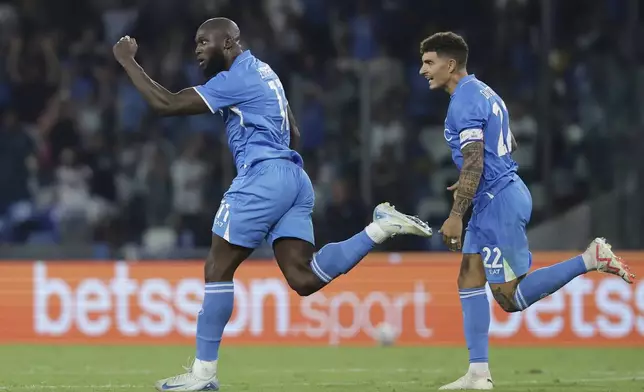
point(470, 118)
point(223, 90)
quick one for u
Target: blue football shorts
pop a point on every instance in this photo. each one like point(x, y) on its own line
point(498, 233)
point(273, 199)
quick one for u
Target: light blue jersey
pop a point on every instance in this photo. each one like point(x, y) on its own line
point(271, 197)
point(477, 113)
point(251, 100)
point(502, 204)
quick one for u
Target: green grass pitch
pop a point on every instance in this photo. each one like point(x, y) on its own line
point(327, 369)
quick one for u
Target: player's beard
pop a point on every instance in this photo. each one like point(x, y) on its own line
point(216, 64)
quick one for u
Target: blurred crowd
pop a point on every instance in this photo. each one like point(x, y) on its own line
point(83, 160)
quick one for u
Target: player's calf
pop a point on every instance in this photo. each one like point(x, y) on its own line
point(217, 307)
point(476, 318)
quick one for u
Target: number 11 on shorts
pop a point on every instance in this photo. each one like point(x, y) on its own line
point(223, 213)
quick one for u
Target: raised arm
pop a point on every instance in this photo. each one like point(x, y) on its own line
point(164, 102)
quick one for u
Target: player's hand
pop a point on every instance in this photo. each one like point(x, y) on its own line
point(451, 231)
point(125, 49)
point(453, 188)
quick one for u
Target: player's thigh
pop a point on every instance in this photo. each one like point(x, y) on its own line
point(293, 241)
point(473, 240)
point(223, 260)
point(297, 220)
point(501, 236)
point(252, 206)
point(472, 273)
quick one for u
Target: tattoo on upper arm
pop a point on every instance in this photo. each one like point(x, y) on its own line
point(468, 181)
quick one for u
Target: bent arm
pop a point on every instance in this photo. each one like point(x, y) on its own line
point(468, 180)
point(164, 102)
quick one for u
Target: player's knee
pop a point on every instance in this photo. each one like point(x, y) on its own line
point(504, 296)
point(508, 307)
point(303, 288)
point(302, 281)
point(470, 281)
point(219, 268)
point(471, 274)
point(214, 271)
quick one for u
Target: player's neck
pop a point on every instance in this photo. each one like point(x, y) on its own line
point(234, 53)
point(453, 82)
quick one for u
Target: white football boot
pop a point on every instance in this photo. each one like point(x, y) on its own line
point(197, 378)
point(470, 381)
point(394, 223)
point(600, 257)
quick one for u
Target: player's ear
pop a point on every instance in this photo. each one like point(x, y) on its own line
point(228, 43)
point(451, 65)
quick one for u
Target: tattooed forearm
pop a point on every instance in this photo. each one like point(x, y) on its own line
point(468, 181)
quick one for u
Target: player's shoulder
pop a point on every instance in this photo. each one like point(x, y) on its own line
point(236, 78)
point(252, 73)
point(252, 68)
point(263, 73)
point(472, 94)
point(470, 90)
point(224, 80)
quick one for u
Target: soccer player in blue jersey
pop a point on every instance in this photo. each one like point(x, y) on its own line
point(271, 198)
point(495, 249)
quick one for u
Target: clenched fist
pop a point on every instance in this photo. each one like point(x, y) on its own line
point(125, 49)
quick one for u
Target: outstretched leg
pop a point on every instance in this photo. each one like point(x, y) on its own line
point(307, 272)
point(520, 293)
point(223, 260)
point(515, 294)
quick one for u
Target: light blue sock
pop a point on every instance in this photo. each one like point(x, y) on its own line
point(338, 258)
point(545, 281)
point(214, 315)
point(476, 322)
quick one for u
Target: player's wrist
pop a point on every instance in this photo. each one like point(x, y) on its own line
point(126, 61)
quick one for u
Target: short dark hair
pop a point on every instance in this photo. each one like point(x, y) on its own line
point(446, 43)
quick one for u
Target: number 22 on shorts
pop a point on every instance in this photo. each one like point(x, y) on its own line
point(492, 258)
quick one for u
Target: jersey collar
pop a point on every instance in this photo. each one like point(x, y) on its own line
point(246, 54)
point(463, 81)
